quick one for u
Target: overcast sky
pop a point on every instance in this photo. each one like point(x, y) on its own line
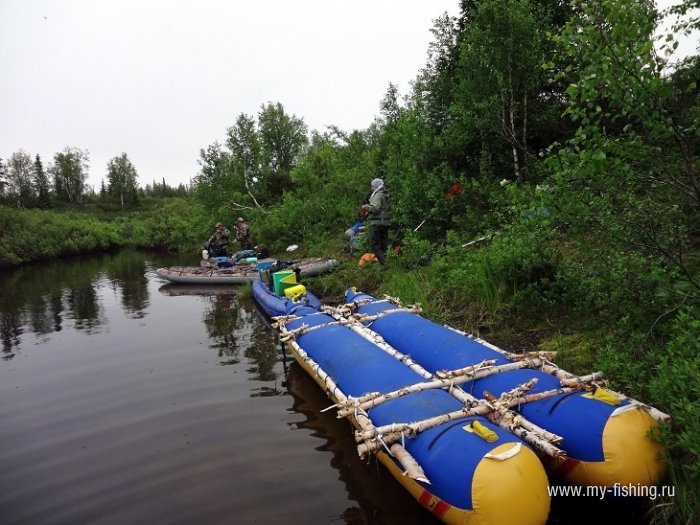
point(160, 79)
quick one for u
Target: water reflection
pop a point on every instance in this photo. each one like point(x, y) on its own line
point(83, 307)
point(223, 321)
point(10, 332)
point(43, 296)
point(231, 327)
point(128, 274)
point(379, 497)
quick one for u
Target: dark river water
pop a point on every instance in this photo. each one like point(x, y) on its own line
point(124, 400)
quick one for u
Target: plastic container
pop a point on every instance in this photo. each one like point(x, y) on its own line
point(282, 280)
point(295, 292)
point(265, 275)
point(251, 259)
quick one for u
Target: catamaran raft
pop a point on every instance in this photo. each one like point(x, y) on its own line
point(461, 425)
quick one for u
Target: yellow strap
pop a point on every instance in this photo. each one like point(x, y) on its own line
point(603, 395)
point(482, 431)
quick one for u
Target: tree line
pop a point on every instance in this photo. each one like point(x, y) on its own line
point(26, 183)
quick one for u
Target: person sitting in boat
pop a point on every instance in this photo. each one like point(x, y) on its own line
point(217, 245)
point(243, 234)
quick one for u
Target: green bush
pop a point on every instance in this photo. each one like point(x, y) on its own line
point(662, 367)
point(33, 235)
point(514, 270)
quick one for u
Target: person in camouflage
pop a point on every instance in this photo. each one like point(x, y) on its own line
point(217, 245)
point(379, 218)
point(243, 235)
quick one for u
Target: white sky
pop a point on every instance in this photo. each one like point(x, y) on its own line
point(160, 79)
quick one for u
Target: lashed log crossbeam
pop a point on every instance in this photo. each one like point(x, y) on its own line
point(288, 335)
point(373, 399)
point(545, 365)
point(503, 417)
point(479, 409)
point(368, 318)
point(376, 398)
point(349, 308)
point(372, 440)
point(410, 465)
point(655, 413)
point(569, 379)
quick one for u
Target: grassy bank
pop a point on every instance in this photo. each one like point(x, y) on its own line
point(528, 290)
point(35, 235)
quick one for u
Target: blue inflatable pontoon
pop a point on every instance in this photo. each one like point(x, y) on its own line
point(605, 436)
point(463, 468)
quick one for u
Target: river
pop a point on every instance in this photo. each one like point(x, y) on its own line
point(124, 400)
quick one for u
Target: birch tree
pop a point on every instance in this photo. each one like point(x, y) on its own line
point(121, 177)
point(19, 176)
point(69, 171)
point(500, 64)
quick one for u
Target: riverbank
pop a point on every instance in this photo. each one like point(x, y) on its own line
point(524, 289)
point(36, 235)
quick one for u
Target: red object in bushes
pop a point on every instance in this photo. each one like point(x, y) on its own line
point(453, 191)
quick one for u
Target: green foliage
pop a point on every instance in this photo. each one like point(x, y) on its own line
point(34, 235)
point(217, 184)
point(19, 178)
point(282, 138)
point(255, 167)
point(122, 176)
point(175, 225)
point(667, 376)
point(69, 172)
point(500, 57)
point(628, 176)
point(303, 221)
point(41, 184)
point(515, 270)
point(674, 386)
point(415, 251)
point(576, 353)
point(615, 285)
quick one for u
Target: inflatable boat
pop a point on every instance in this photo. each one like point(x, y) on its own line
point(239, 273)
point(457, 460)
point(605, 436)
